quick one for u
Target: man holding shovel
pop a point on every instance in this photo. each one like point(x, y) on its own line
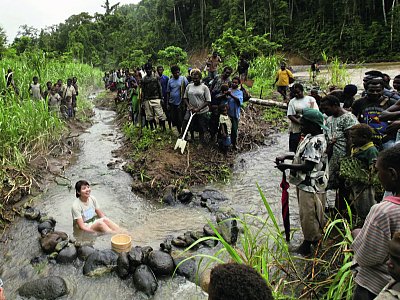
point(197, 98)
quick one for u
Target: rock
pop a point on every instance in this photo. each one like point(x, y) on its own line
point(61, 245)
point(123, 265)
point(210, 243)
point(42, 259)
point(32, 213)
point(187, 269)
point(196, 235)
point(161, 263)
point(205, 279)
point(166, 245)
point(177, 242)
point(67, 255)
point(135, 258)
point(146, 251)
point(188, 239)
point(50, 240)
point(208, 231)
point(100, 262)
point(169, 196)
point(46, 225)
point(44, 217)
point(144, 280)
point(85, 251)
point(213, 196)
point(50, 287)
point(227, 228)
point(185, 196)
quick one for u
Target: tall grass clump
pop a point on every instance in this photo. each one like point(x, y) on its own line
point(27, 127)
point(337, 72)
point(262, 245)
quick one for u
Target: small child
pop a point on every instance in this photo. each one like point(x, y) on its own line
point(54, 100)
point(35, 89)
point(224, 130)
point(362, 194)
point(70, 109)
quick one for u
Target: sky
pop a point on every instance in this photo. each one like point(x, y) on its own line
point(42, 13)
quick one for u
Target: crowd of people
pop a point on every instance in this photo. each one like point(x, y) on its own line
point(351, 147)
point(157, 100)
point(60, 97)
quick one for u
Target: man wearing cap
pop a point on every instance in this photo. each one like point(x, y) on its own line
point(282, 80)
point(309, 172)
point(151, 98)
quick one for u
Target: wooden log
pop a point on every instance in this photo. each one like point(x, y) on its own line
point(268, 102)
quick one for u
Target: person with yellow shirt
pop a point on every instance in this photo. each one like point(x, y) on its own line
point(282, 80)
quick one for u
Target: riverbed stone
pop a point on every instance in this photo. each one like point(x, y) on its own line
point(144, 280)
point(185, 196)
point(213, 195)
point(166, 244)
point(188, 239)
point(188, 268)
point(169, 196)
point(32, 213)
point(85, 251)
point(227, 227)
point(196, 235)
point(123, 265)
point(46, 225)
point(135, 258)
point(205, 279)
point(61, 245)
point(67, 255)
point(146, 250)
point(179, 242)
point(161, 263)
point(100, 262)
point(50, 240)
point(208, 231)
point(50, 287)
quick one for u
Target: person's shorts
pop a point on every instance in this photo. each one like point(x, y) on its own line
point(282, 88)
point(154, 109)
point(294, 140)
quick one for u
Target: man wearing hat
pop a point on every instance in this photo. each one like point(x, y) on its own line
point(309, 172)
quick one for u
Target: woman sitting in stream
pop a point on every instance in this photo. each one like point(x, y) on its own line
point(86, 212)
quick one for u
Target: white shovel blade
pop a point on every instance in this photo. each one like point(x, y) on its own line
point(177, 144)
point(182, 146)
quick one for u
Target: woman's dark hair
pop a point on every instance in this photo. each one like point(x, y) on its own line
point(78, 187)
point(390, 158)
point(298, 86)
point(236, 78)
point(175, 69)
point(331, 100)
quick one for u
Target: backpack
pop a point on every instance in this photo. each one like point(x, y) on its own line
point(246, 94)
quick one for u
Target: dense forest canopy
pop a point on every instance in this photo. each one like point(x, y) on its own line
point(358, 30)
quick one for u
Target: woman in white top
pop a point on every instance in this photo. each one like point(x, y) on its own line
point(86, 212)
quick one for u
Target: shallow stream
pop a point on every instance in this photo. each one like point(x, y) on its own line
point(148, 222)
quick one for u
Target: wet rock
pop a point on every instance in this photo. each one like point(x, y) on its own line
point(123, 265)
point(187, 269)
point(44, 217)
point(210, 243)
point(42, 259)
point(50, 240)
point(205, 279)
point(185, 196)
point(177, 242)
point(50, 287)
point(227, 227)
point(208, 231)
point(144, 280)
point(67, 255)
point(188, 239)
point(146, 251)
point(169, 196)
point(61, 245)
point(46, 225)
point(32, 213)
point(85, 251)
point(161, 263)
point(135, 258)
point(196, 235)
point(166, 245)
point(100, 262)
point(213, 195)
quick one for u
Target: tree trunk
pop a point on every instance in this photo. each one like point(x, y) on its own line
point(244, 13)
point(391, 25)
point(384, 12)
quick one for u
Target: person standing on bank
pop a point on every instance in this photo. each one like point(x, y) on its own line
point(309, 172)
point(294, 112)
point(282, 81)
point(235, 101)
point(87, 214)
point(151, 98)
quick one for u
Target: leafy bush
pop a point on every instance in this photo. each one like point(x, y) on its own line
point(172, 56)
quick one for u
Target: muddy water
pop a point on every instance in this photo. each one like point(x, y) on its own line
point(148, 222)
